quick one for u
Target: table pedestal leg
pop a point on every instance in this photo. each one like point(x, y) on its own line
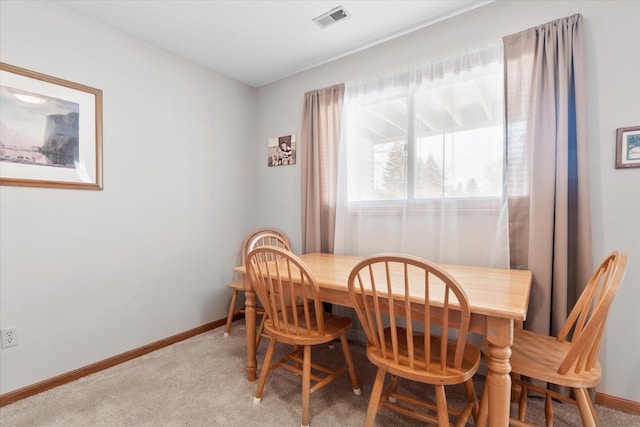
point(250, 322)
point(498, 382)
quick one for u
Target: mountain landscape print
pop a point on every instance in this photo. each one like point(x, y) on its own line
point(38, 130)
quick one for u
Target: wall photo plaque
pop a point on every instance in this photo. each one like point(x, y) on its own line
point(282, 151)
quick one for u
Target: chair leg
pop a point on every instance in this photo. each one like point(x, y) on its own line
point(483, 410)
point(232, 310)
point(591, 408)
point(260, 329)
point(472, 398)
point(349, 359)
point(522, 402)
point(548, 410)
point(516, 379)
point(441, 404)
point(393, 388)
point(374, 400)
point(306, 385)
point(266, 365)
point(587, 412)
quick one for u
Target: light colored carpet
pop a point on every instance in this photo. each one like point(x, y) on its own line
point(201, 382)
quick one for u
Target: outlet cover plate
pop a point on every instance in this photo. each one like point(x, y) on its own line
point(9, 337)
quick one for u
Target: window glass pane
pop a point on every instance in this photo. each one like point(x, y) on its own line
point(463, 164)
point(430, 133)
point(390, 170)
point(377, 150)
point(429, 168)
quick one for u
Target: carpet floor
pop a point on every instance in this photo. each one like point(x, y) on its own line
point(201, 382)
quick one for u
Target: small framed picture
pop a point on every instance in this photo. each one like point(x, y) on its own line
point(628, 147)
point(282, 151)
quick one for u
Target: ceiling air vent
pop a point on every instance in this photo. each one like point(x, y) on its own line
point(331, 17)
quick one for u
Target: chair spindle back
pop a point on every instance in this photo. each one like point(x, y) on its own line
point(278, 277)
point(393, 284)
point(262, 236)
point(587, 320)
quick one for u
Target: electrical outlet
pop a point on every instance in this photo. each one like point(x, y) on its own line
point(9, 337)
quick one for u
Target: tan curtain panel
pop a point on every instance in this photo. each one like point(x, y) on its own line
point(547, 170)
point(320, 142)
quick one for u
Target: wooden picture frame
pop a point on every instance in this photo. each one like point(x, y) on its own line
point(628, 147)
point(50, 131)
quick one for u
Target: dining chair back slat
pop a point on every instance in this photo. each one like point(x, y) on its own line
point(265, 238)
point(391, 282)
point(584, 327)
point(259, 237)
point(385, 290)
point(278, 277)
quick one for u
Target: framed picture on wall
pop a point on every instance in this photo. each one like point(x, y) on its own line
point(282, 151)
point(50, 131)
point(628, 147)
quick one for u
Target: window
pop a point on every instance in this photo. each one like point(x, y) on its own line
point(422, 161)
point(431, 132)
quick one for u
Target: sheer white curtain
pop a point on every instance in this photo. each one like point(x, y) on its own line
point(422, 160)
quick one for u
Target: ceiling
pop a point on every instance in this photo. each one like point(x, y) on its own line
point(259, 42)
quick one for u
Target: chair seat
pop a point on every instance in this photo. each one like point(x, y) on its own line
point(240, 285)
point(450, 376)
point(539, 356)
point(334, 327)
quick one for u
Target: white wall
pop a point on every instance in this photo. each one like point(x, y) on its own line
point(86, 275)
point(613, 52)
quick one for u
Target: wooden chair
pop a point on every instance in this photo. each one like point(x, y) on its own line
point(571, 358)
point(260, 237)
point(278, 277)
point(381, 289)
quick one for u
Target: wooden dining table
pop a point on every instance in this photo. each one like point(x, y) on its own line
point(498, 299)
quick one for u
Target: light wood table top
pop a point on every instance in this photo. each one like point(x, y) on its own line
point(491, 291)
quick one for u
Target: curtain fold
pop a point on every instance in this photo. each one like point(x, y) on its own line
point(547, 166)
point(320, 142)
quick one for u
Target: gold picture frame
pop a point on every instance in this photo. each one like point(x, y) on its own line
point(51, 131)
point(628, 147)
